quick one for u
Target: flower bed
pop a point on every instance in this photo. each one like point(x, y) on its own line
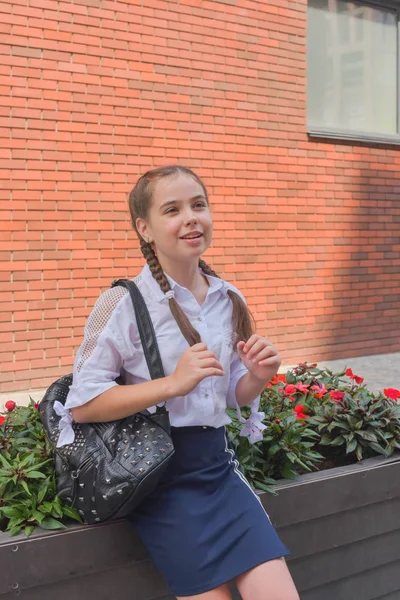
point(314, 419)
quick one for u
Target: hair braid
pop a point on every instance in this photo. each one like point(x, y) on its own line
point(190, 334)
point(242, 319)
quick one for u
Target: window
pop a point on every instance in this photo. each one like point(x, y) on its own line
point(353, 70)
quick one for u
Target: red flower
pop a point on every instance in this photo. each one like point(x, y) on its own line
point(278, 379)
point(337, 396)
point(2, 419)
point(277, 421)
point(36, 406)
point(302, 387)
point(290, 389)
point(267, 385)
point(10, 405)
point(356, 378)
point(300, 416)
point(299, 408)
point(291, 398)
point(392, 393)
point(319, 390)
point(314, 365)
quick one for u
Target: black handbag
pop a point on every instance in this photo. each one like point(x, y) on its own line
point(111, 467)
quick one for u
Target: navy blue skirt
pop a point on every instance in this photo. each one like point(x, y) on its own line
point(204, 525)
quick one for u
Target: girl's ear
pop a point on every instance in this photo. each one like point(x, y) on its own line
point(143, 229)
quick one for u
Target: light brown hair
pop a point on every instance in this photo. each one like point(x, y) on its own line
point(140, 200)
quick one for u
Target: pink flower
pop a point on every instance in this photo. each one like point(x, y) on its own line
point(302, 387)
point(319, 390)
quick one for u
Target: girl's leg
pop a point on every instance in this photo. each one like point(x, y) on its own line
point(268, 581)
point(220, 593)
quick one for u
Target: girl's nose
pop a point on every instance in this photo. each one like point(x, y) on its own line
point(190, 218)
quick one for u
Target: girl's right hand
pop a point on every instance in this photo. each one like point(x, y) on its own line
point(195, 364)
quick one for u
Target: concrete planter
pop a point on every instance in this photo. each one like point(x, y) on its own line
point(341, 525)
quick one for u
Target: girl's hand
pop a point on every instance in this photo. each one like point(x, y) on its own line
point(260, 357)
point(195, 364)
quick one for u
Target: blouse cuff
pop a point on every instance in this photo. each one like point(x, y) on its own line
point(74, 399)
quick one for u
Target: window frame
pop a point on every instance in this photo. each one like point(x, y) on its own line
point(337, 133)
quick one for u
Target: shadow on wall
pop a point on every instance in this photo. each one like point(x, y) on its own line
point(366, 298)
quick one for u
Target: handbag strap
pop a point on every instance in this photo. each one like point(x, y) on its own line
point(146, 329)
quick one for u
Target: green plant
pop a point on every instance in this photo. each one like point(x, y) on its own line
point(28, 495)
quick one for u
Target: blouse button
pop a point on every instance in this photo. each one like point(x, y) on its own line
point(199, 319)
point(206, 395)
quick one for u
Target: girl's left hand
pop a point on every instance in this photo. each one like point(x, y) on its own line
point(260, 357)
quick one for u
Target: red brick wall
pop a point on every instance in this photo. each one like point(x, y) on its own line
point(91, 97)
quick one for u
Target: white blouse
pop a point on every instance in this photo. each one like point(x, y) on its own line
point(112, 346)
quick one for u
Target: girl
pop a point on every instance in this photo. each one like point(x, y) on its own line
point(204, 526)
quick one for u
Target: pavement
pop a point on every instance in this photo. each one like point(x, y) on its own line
point(379, 371)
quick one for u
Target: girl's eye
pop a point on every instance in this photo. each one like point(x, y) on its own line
point(170, 211)
point(200, 204)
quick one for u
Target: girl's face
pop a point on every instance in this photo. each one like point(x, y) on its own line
point(179, 223)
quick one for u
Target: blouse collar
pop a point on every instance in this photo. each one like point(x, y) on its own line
point(215, 283)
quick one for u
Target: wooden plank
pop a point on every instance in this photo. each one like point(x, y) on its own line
point(52, 556)
point(138, 581)
point(307, 499)
point(346, 561)
point(325, 533)
point(382, 583)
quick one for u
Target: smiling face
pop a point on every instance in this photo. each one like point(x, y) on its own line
point(179, 222)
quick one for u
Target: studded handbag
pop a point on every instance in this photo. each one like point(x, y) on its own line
point(109, 468)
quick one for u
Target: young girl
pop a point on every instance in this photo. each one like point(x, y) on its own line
point(204, 526)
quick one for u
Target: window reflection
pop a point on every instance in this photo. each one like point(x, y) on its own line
point(352, 66)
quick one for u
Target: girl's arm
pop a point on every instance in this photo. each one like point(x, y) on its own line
point(120, 401)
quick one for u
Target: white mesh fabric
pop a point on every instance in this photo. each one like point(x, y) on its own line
point(98, 320)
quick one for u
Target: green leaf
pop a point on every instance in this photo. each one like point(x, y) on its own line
point(42, 491)
point(29, 529)
point(6, 464)
point(11, 512)
point(73, 514)
point(378, 448)
point(265, 487)
point(287, 472)
point(367, 435)
point(359, 452)
point(351, 446)
point(290, 377)
point(339, 441)
point(38, 516)
point(35, 475)
point(50, 523)
point(15, 530)
point(325, 440)
point(25, 486)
